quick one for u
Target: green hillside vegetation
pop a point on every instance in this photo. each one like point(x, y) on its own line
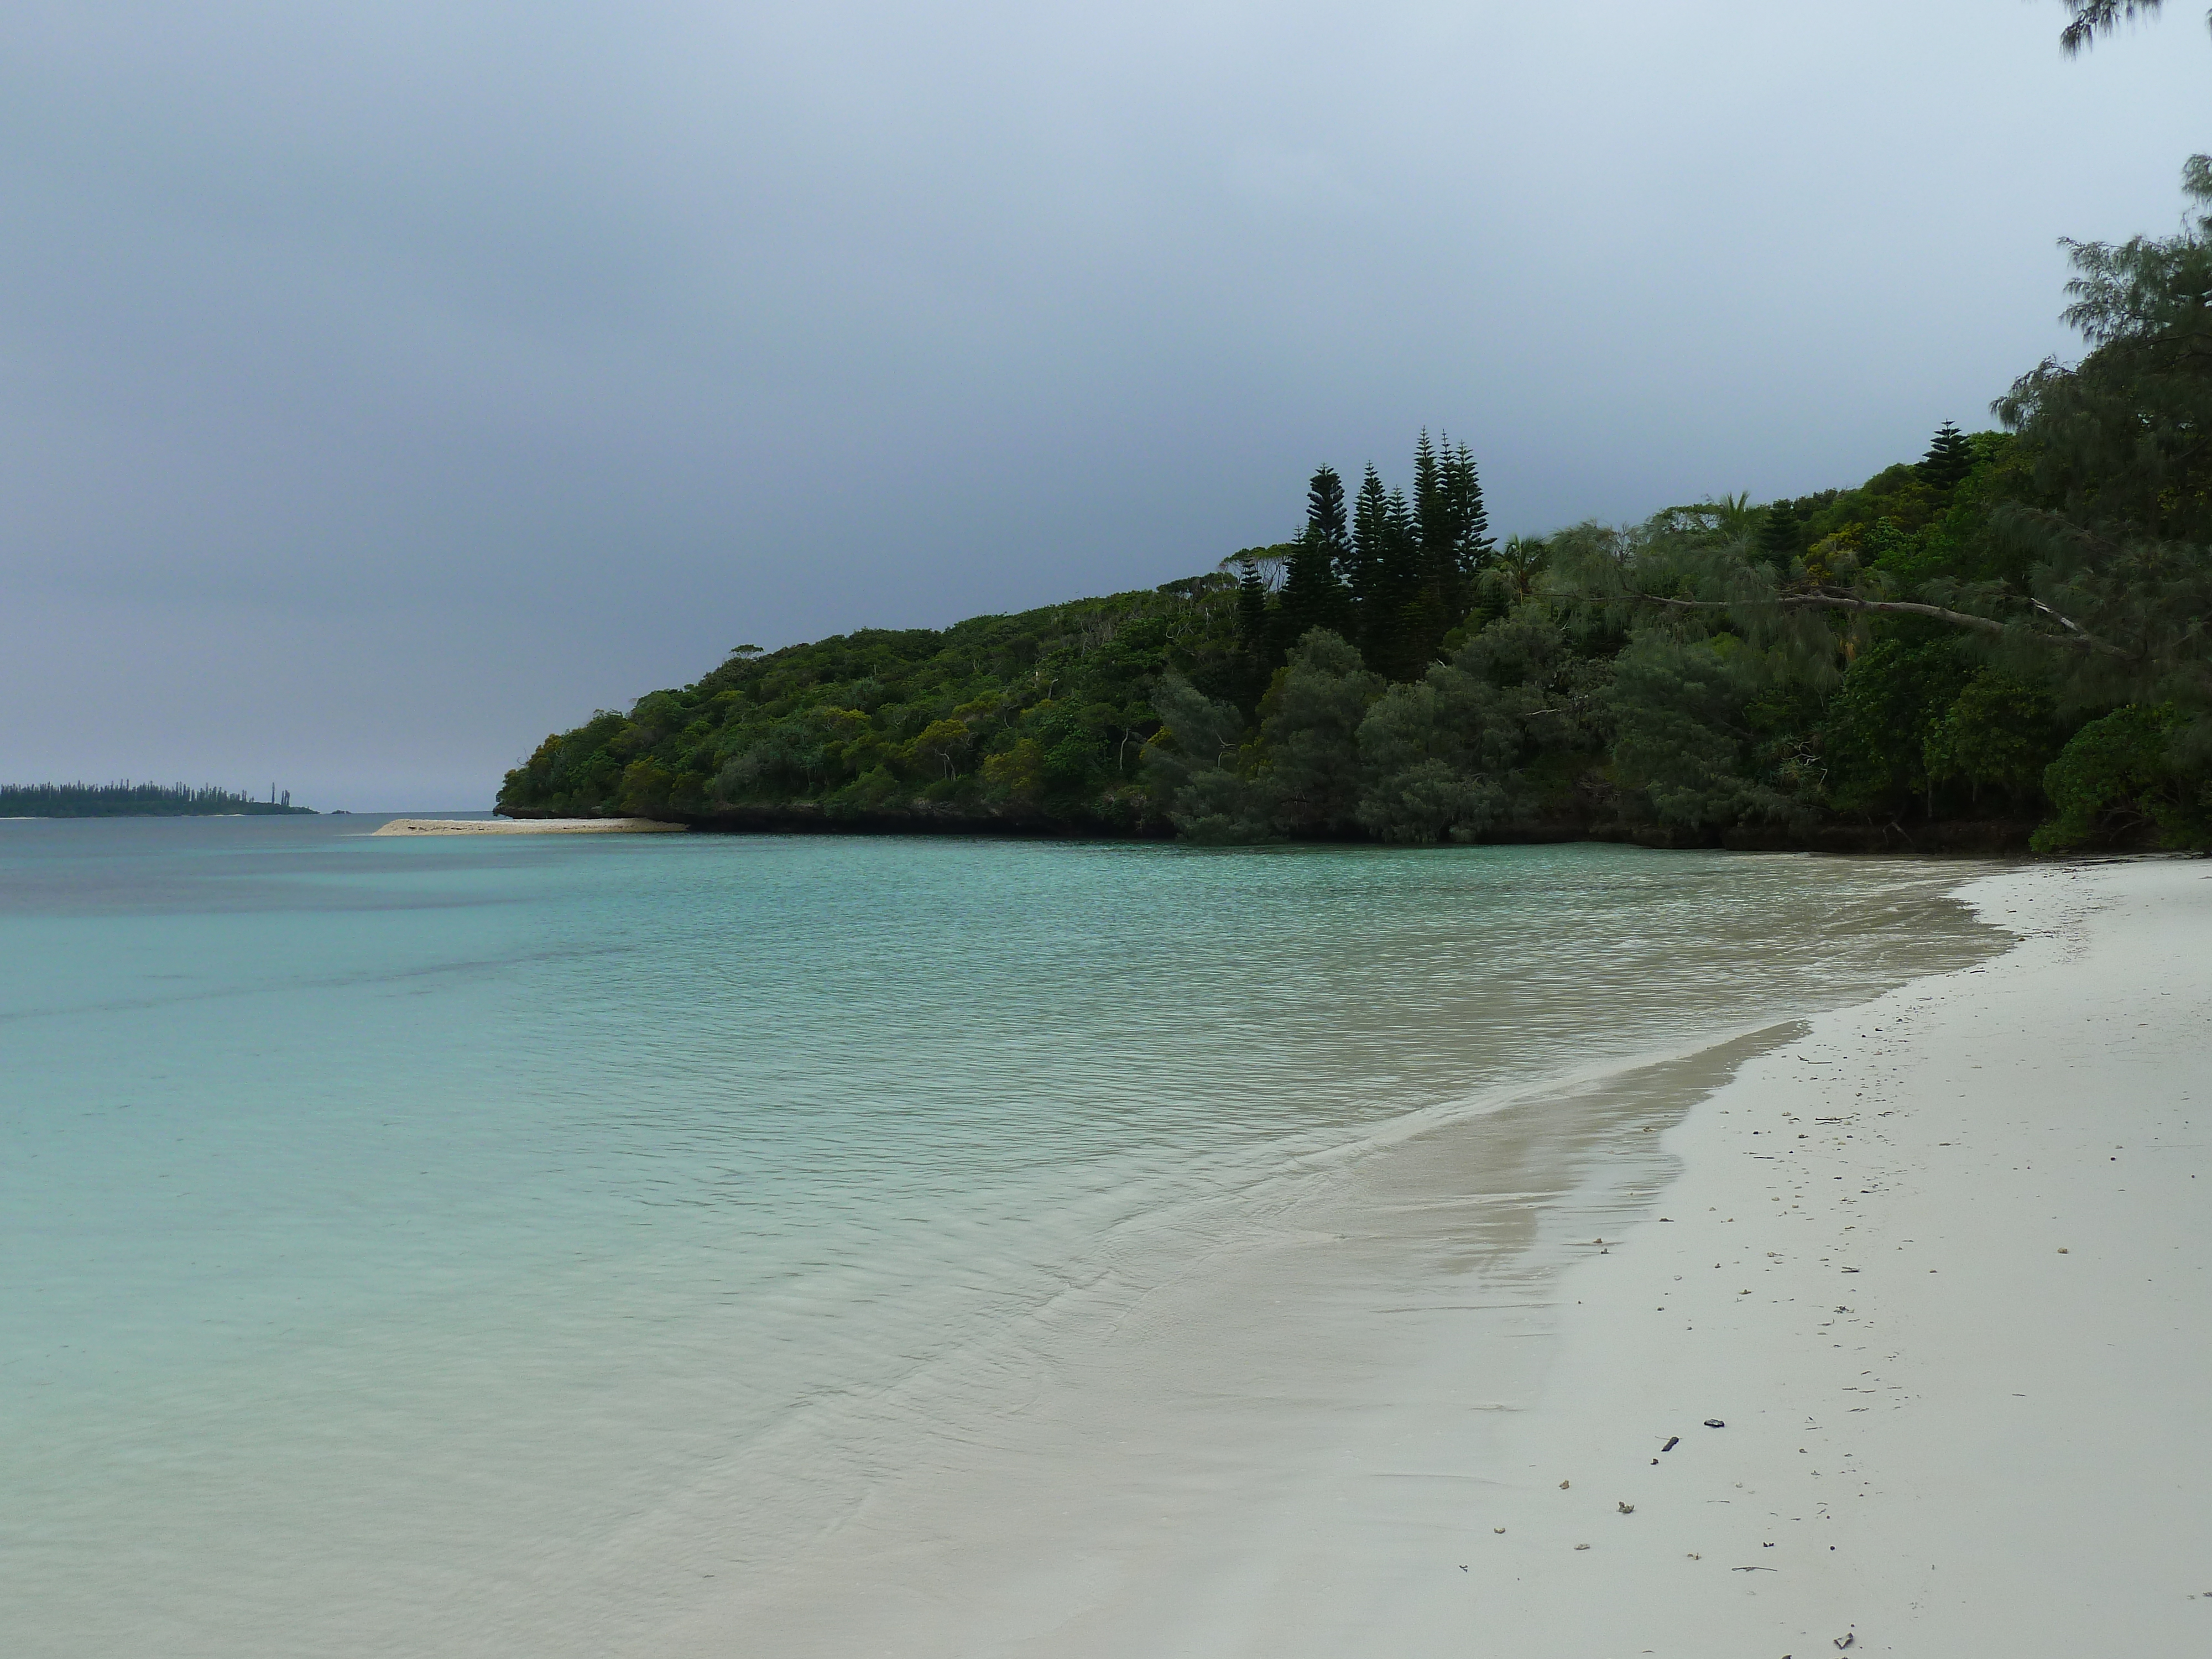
point(2001, 641)
point(134, 800)
point(1039, 719)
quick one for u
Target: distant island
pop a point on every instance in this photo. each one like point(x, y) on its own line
point(139, 801)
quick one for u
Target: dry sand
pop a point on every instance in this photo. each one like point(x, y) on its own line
point(1943, 1269)
point(525, 827)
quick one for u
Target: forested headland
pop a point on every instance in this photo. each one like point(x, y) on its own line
point(1998, 643)
point(136, 800)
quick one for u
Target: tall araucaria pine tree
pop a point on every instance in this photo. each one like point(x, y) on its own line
point(1949, 459)
point(1313, 597)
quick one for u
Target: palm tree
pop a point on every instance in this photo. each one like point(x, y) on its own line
point(1519, 559)
point(1733, 515)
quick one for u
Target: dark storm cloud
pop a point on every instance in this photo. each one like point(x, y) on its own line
point(387, 384)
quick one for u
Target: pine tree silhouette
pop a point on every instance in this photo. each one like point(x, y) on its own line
point(1313, 596)
point(1949, 459)
point(1778, 536)
point(1325, 519)
point(1252, 609)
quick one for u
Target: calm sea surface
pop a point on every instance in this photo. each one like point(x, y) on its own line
point(472, 1245)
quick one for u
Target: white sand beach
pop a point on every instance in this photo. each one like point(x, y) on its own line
point(1943, 1269)
point(525, 827)
point(1940, 1265)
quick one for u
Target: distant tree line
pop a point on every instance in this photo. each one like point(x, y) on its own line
point(113, 801)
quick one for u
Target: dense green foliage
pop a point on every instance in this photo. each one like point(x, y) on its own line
point(1036, 720)
point(2006, 637)
point(132, 801)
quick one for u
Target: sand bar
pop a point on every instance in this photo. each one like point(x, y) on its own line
point(526, 827)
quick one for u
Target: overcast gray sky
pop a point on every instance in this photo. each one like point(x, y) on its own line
point(388, 385)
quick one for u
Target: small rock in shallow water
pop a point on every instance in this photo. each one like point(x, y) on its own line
point(1715, 1422)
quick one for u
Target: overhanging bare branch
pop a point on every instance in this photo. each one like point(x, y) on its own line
point(2077, 638)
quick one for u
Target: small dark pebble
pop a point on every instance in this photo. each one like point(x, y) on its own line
point(1715, 1422)
point(1673, 1441)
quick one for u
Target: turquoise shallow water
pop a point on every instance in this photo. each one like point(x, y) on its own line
point(470, 1245)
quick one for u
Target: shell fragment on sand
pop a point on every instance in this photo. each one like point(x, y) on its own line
point(526, 827)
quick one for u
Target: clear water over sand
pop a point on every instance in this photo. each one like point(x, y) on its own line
point(557, 1246)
